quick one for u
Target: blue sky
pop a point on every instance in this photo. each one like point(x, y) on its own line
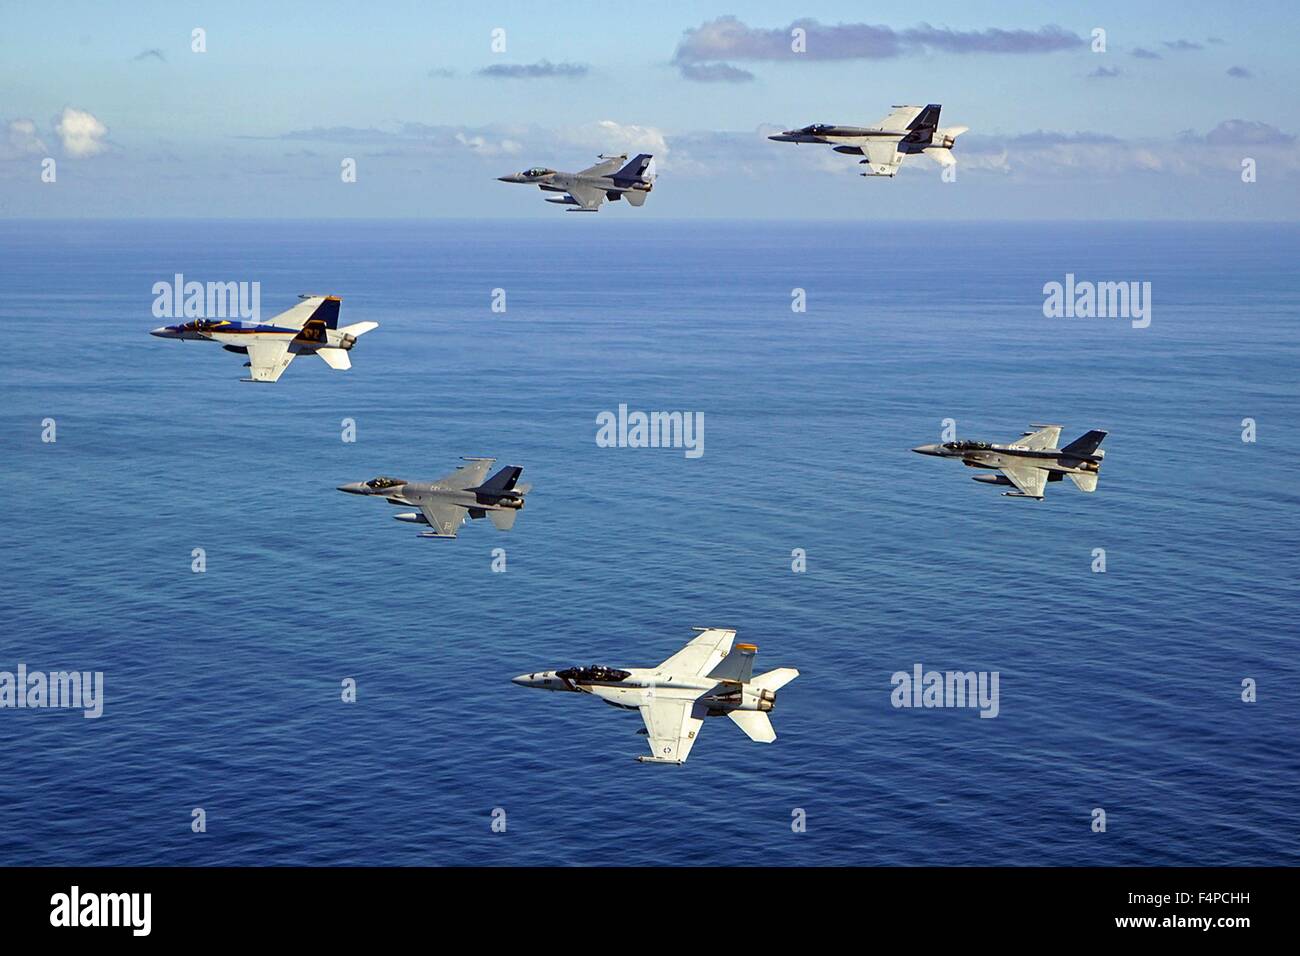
point(1154, 127)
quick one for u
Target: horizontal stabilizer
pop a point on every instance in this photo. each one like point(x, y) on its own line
point(941, 155)
point(504, 519)
point(1086, 481)
point(774, 680)
point(358, 328)
point(335, 358)
point(755, 725)
point(636, 196)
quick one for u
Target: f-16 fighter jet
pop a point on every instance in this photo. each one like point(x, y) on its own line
point(585, 191)
point(905, 132)
point(706, 678)
point(1031, 461)
point(311, 327)
point(445, 502)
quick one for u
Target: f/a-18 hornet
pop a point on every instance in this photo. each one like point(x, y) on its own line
point(706, 678)
point(445, 502)
point(585, 191)
point(1030, 461)
point(907, 131)
point(311, 327)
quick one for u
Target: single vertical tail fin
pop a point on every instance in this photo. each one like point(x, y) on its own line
point(504, 480)
point(638, 169)
point(1085, 444)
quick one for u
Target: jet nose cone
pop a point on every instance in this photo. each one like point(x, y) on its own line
point(782, 138)
point(163, 332)
point(354, 488)
point(926, 449)
point(521, 680)
point(512, 178)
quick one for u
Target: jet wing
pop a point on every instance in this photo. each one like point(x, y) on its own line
point(880, 152)
point(444, 517)
point(1046, 437)
point(468, 475)
point(588, 197)
point(606, 167)
point(672, 726)
point(268, 359)
point(1030, 481)
point(702, 654)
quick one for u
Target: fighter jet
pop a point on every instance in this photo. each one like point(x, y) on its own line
point(1030, 461)
point(585, 191)
point(905, 132)
point(445, 502)
point(310, 327)
point(706, 678)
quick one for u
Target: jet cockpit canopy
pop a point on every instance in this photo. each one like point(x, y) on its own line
point(537, 171)
point(596, 672)
point(966, 445)
point(383, 482)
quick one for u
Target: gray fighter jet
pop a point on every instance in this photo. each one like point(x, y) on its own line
point(445, 502)
point(585, 191)
point(907, 131)
point(1031, 461)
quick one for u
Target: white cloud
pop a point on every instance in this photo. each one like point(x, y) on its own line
point(610, 137)
point(486, 147)
point(81, 132)
point(21, 140)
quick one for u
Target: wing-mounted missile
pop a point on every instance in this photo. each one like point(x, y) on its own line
point(412, 517)
point(991, 479)
point(851, 150)
point(563, 200)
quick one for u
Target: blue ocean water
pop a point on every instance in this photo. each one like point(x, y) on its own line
point(1118, 690)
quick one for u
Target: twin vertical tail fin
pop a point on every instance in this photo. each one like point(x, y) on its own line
point(736, 666)
point(927, 121)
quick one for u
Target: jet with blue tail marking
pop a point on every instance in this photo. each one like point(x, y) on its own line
point(1031, 461)
point(613, 178)
point(311, 327)
point(446, 502)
